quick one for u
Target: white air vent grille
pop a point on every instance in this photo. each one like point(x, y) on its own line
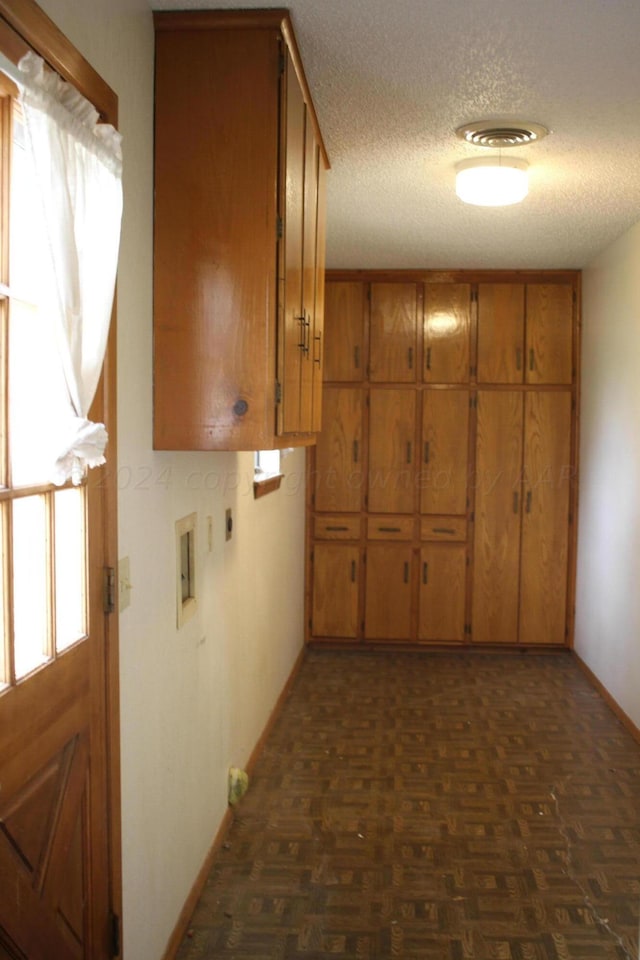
point(501, 135)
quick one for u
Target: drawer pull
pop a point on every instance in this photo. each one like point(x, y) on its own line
point(427, 451)
point(448, 530)
point(353, 571)
point(336, 529)
point(389, 529)
point(528, 502)
point(425, 573)
point(428, 358)
point(406, 572)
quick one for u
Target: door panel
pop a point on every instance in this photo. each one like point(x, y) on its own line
point(447, 322)
point(445, 451)
point(338, 465)
point(388, 592)
point(318, 316)
point(394, 328)
point(344, 354)
point(392, 451)
point(545, 518)
point(311, 160)
point(443, 575)
point(500, 332)
point(549, 333)
point(335, 590)
point(497, 517)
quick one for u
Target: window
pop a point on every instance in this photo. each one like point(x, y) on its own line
point(267, 475)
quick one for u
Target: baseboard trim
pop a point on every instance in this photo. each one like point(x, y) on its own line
point(611, 702)
point(182, 923)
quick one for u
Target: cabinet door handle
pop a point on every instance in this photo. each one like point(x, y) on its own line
point(303, 330)
point(516, 501)
point(353, 571)
point(427, 451)
point(307, 335)
point(409, 451)
point(410, 358)
point(528, 501)
point(336, 529)
point(448, 530)
point(425, 573)
point(318, 340)
point(390, 529)
point(356, 451)
point(406, 572)
point(532, 359)
point(428, 360)
point(518, 358)
point(356, 357)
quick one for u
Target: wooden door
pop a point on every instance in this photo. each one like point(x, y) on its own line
point(496, 557)
point(344, 351)
point(339, 478)
point(335, 590)
point(309, 275)
point(318, 315)
point(545, 519)
point(58, 800)
point(500, 332)
point(447, 324)
point(393, 332)
point(388, 592)
point(391, 486)
point(295, 323)
point(549, 333)
point(445, 451)
point(443, 575)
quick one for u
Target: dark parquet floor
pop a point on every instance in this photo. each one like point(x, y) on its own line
point(432, 807)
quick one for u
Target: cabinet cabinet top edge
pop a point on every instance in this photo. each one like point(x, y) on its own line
point(273, 18)
point(454, 276)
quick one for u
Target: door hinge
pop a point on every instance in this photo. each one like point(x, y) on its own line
point(109, 589)
point(114, 933)
point(278, 392)
point(279, 228)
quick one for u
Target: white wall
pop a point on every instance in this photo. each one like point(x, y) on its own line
point(608, 584)
point(193, 701)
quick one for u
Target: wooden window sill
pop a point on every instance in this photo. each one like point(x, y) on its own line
point(268, 485)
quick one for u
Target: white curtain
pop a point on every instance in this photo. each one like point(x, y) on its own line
point(78, 164)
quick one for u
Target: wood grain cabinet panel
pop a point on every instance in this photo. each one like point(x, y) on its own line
point(443, 575)
point(335, 590)
point(344, 347)
point(391, 476)
point(447, 324)
point(238, 235)
point(549, 333)
point(500, 332)
point(547, 478)
point(393, 332)
point(388, 592)
point(443, 474)
point(497, 482)
point(338, 476)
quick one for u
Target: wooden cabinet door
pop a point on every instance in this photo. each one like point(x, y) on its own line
point(443, 474)
point(344, 356)
point(388, 592)
point(338, 468)
point(391, 487)
point(447, 323)
point(496, 556)
point(309, 252)
point(500, 332)
point(545, 518)
point(393, 332)
point(318, 316)
point(443, 574)
point(335, 590)
point(549, 333)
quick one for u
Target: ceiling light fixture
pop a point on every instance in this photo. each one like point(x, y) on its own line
point(495, 181)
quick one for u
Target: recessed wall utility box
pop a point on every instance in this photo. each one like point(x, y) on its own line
point(228, 524)
point(185, 568)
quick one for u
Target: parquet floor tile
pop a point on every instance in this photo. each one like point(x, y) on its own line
point(432, 807)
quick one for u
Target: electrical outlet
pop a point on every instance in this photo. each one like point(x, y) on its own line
point(124, 584)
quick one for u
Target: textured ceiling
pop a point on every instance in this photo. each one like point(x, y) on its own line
point(391, 81)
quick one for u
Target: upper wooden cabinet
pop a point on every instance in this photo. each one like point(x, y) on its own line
point(344, 347)
point(394, 332)
point(525, 333)
point(447, 325)
point(238, 235)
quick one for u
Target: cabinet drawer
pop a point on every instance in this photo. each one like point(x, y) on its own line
point(443, 528)
point(336, 528)
point(390, 528)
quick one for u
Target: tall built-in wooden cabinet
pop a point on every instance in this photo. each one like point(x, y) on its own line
point(443, 484)
point(239, 235)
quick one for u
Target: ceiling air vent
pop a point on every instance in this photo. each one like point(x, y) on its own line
point(501, 134)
